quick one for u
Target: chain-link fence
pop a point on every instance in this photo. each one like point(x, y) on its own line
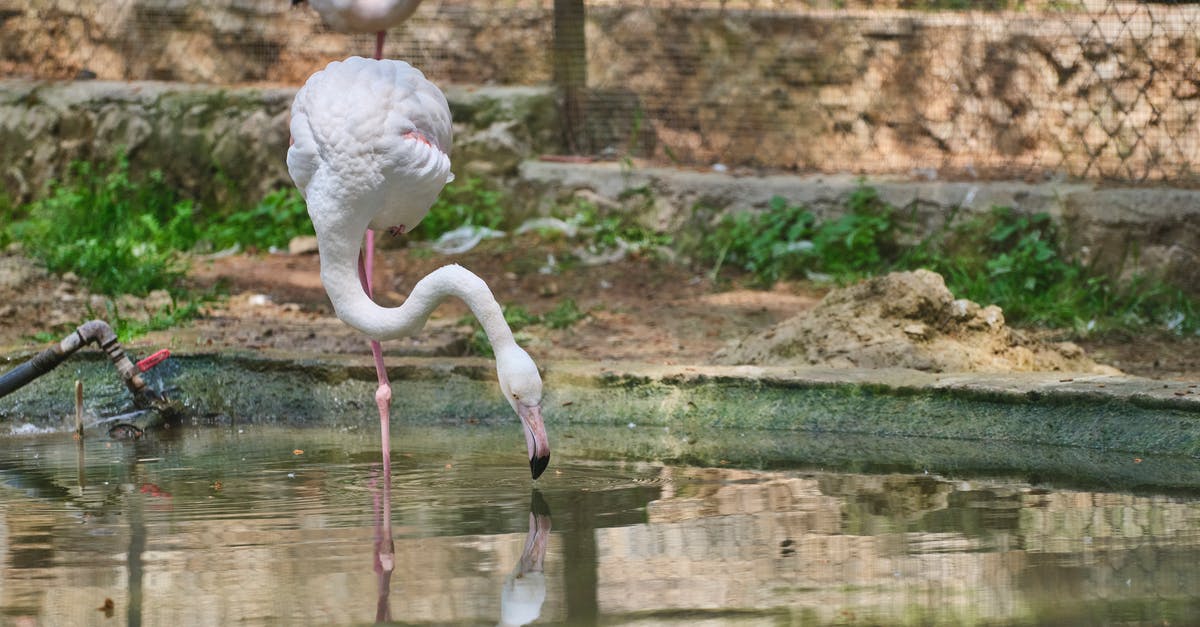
point(1096, 89)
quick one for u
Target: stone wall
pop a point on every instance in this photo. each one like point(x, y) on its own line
point(225, 146)
point(1105, 92)
point(233, 42)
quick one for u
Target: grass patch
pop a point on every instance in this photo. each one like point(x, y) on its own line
point(269, 225)
point(1011, 259)
point(119, 236)
point(122, 234)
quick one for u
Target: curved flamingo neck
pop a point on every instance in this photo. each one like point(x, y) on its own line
point(339, 244)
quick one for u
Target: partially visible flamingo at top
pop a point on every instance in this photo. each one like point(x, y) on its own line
point(364, 16)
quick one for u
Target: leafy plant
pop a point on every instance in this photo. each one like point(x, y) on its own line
point(564, 315)
point(125, 235)
point(118, 235)
point(788, 241)
point(862, 241)
point(272, 223)
point(168, 316)
point(770, 246)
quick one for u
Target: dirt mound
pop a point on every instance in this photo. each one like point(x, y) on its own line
point(905, 320)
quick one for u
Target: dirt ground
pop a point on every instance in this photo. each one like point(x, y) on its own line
point(638, 308)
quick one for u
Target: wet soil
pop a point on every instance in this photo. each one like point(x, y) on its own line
point(639, 308)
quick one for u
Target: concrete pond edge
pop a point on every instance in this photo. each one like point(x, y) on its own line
point(1102, 412)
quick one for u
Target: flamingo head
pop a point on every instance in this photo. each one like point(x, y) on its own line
point(522, 387)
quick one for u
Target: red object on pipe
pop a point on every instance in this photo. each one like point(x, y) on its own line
point(153, 360)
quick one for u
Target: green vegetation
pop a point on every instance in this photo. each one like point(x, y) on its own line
point(606, 231)
point(118, 236)
point(564, 315)
point(467, 201)
point(788, 241)
point(125, 235)
point(1010, 259)
point(271, 224)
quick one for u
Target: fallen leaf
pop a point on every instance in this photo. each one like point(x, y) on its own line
point(298, 452)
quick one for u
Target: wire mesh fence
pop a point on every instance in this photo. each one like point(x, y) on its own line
point(1094, 89)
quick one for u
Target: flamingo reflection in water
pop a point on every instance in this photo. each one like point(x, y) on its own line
point(524, 589)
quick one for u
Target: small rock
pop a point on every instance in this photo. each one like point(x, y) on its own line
point(7, 311)
point(601, 202)
point(963, 309)
point(917, 331)
point(992, 316)
point(303, 245)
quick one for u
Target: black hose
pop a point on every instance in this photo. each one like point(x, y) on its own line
point(20, 376)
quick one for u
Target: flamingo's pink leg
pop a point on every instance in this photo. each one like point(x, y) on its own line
point(383, 399)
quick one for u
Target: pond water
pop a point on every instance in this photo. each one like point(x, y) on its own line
point(273, 525)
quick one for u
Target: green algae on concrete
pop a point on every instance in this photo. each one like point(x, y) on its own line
point(1042, 425)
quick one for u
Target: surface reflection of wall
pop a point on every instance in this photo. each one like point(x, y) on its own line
point(221, 572)
point(832, 546)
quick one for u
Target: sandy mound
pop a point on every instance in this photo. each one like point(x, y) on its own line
point(905, 320)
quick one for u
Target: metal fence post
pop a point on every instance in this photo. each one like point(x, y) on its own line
point(570, 71)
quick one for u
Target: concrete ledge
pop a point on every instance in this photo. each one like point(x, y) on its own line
point(1107, 413)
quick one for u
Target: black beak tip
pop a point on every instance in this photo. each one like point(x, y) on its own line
point(537, 465)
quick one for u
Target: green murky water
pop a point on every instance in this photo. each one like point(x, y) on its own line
point(268, 524)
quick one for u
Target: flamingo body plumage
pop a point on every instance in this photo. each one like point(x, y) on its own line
point(375, 136)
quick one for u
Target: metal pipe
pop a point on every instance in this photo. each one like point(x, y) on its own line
point(92, 332)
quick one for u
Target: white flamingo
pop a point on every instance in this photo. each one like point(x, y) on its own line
point(371, 142)
point(367, 16)
point(364, 16)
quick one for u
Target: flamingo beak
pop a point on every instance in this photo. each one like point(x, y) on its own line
point(535, 438)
